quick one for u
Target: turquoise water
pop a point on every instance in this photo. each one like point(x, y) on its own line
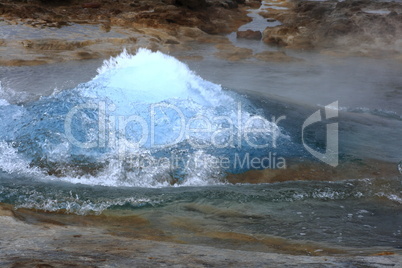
point(144, 134)
point(141, 118)
point(354, 213)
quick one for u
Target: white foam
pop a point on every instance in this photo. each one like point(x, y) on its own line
point(13, 162)
point(75, 204)
point(151, 77)
point(377, 12)
point(133, 83)
point(147, 171)
point(3, 102)
point(390, 196)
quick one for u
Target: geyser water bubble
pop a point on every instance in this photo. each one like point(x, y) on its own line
point(152, 77)
point(145, 120)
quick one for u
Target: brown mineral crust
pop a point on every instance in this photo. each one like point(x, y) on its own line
point(167, 26)
point(213, 17)
point(249, 34)
point(362, 27)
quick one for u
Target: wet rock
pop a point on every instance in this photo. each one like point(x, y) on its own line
point(169, 2)
point(229, 4)
point(348, 25)
point(392, 14)
point(253, 4)
point(249, 34)
point(172, 42)
point(191, 32)
point(280, 35)
point(85, 244)
point(384, 253)
point(192, 4)
point(83, 55)
point(209, 28)
point(49, 44)
point(232, 53)
point(91, 5)
point(319, 12)
point(56, 2)
point(275, 56)
point(6, 210)
point(22, 62)
point(340, 27)
point(106, 26)
point(166, 25)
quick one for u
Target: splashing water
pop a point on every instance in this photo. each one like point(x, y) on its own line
point(145, 120)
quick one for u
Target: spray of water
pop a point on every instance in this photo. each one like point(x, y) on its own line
point(144, 120)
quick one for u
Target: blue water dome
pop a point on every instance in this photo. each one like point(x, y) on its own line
point(143, 120)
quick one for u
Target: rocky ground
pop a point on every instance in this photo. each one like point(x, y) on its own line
point(167, 26)
point(99, 29)
point(211, 17)
point(362, 28)
point(32, 240)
